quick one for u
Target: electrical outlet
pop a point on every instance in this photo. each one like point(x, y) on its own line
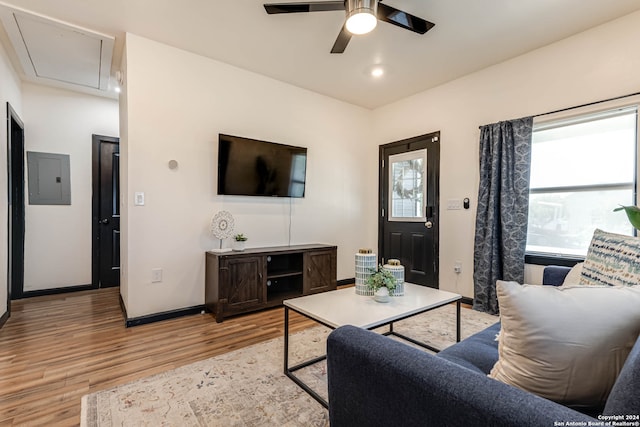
point(156, 275)
point(457, 267)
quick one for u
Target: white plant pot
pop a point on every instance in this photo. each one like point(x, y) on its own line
point(381, 295)
point(239, 245)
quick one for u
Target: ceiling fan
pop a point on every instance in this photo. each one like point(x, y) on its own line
point(362, 17)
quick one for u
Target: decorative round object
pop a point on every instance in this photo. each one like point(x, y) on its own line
point(408, 183)
point(222, 225)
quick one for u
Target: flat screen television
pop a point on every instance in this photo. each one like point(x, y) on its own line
point(249, 167)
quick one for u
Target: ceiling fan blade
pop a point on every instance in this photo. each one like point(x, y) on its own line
point(342, 41)
point(319, 6)
point(403, 19)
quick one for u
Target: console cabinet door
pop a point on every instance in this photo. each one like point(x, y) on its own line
point(243, 283)
point(319, 271)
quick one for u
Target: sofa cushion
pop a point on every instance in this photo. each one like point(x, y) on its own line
point(567, 345)
point(554, 275)
point(612, 259)
point(479, 352)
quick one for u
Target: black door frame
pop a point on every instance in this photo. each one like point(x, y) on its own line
point(95, 205)
point(15, 208)
point(432, 176)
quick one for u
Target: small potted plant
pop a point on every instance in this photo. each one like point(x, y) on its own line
point(239, 242)
point(382, 283)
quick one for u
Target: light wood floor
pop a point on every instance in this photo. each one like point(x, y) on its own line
point(55, 349)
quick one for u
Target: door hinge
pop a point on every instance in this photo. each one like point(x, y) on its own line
point(383, 163)
point(383, 213)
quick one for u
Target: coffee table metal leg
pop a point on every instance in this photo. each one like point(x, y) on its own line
point(458, 321)
point(420, 343)
point(286, 339)
point(289, 371)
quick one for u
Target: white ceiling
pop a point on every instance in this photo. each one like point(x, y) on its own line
point(469, 35)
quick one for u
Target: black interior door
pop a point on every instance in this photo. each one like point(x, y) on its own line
point(409, 206)
point(16, 211)
point(106, 211)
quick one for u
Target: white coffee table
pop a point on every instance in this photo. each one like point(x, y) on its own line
point(343, 307)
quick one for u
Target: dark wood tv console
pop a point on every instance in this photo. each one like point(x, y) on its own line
point(258, 278)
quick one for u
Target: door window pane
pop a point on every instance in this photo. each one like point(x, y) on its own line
point(407, 189)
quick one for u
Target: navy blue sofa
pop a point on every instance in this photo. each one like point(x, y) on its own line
point(376, 381)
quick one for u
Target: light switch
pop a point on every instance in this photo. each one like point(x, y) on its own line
point(138, 199)
point(454, 204)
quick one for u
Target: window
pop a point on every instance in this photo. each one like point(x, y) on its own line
point(407, 192)
point(581, 169)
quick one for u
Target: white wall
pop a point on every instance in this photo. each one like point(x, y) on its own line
point(10, 91)
point(176, 104)
point(58, 238)
point(124, 184)
point(598, 64)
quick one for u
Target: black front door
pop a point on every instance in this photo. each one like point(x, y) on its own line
point(409, 204)
point(106, 211)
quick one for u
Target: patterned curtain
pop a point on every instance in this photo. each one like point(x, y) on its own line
point(503, 207)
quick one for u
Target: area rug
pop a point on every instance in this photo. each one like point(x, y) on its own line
point(247, 387)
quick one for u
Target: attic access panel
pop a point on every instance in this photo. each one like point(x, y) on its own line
point(49, 178)
point(54, 50)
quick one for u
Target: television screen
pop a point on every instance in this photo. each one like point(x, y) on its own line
point(248, 167)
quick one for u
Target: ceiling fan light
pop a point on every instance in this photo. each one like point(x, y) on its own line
point(361, 16)
point(361, 21)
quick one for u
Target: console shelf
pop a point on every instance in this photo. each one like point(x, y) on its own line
point(257, 278)
point(281, 274)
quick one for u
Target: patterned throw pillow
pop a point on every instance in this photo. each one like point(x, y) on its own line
point(612, 259)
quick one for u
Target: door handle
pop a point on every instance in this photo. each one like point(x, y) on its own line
point(429, 211)
point(105, 221)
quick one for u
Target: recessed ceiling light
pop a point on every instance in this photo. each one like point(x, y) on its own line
point(377, 72)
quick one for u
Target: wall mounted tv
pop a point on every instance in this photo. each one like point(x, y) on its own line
point(249, 167)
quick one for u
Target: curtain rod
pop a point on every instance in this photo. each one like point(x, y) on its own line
point(588, 104)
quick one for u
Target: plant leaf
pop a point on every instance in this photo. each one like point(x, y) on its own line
point(633, 213)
